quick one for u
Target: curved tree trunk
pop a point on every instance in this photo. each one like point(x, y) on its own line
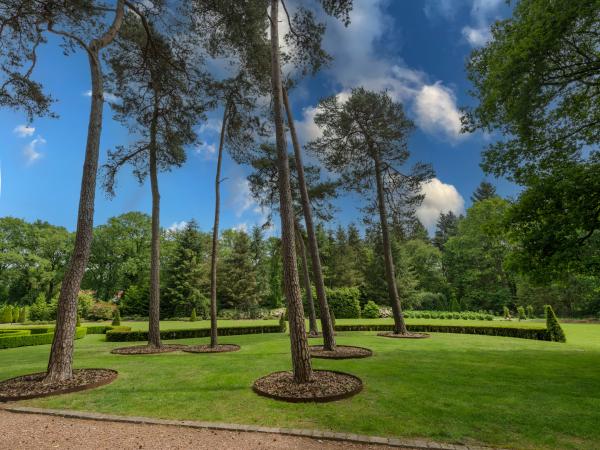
point(154, 306)
point(312, 316)
point(399, 325)
point(298, 340)
point(215, 239)
point(326, 322)
point(60, 363)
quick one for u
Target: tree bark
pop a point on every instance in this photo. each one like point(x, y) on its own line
point(299, 342)
point(326, 322)
point(60, 363)
point(312, 316)
point(154, 306)
point(399, 325)
point(215, 238)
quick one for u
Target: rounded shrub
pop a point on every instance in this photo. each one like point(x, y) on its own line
point(521, 313)
point(371, 310)
point(344, 302)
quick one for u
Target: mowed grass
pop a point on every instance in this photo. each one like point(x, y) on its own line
point(497, 391)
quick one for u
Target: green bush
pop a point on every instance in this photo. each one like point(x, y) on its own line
point(193, 317)
point(78, 321)
point(129, 336)
point(35, 338)
point(506, 312)
point(344, 302)
point(521, 313)
point(540, 334)
point(117, 318)
point(282, 323)
point(371, 310)
point(6, 314)
point(100, 311)
point(40, 310)
point(22, 315)
point(555, 331)
point(530, 313)
point(332, 316)
point(103, 329)
point(85, 301)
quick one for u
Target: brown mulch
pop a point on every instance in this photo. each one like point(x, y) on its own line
point(341, 352)
point(147, 349)
point(391, 334)
point(325, 386)
point(33, 386)
point(41, 432)
point(206, 348)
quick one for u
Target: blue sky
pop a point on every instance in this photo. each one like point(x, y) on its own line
point(416, 49)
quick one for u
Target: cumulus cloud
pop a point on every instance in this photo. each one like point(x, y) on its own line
point(206, 150)
point(241, 227)
point(439, 198)
point(356, 63)
point(30, 151)
point(24, 130)
point(483, 12)
point(177, 226)
point(240, 198)
point(435, 108)
point(111, 98)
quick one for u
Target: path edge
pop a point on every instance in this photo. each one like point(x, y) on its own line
point(297, 432)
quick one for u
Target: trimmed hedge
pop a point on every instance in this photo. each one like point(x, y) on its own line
point(131, 336)
point(540, 334)
point(554, 329)
point(35, 338)
point(103, 329)
point(344, 302)
point(7, 333)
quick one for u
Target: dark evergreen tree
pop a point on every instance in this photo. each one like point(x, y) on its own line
point(484, 191)
point(446, 227)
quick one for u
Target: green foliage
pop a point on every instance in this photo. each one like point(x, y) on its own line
point(370, 310)
point(555, 331)
point(46, 337)
point(128, 336)
point(506, 312)
point(193, 317)
point(344, 302)
point(540, 334)
point(135, 300)
point(454, 305)
point(282, 323)
point(22, 314)
point(40, 310)
point(530, 312)
point(7, 314)
point(116, 318)
point(484, 191)
point(521, 313)
point(78, 323)
point(332, 316)
point(101, 311)
point(464, 315)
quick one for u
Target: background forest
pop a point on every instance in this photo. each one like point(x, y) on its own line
point(472, 263)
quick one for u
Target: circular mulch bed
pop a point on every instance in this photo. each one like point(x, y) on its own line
point(206, 348)
point(147, 349)
point(341, 352)
point(325, 386)
point(391, 334)
point(33, 386)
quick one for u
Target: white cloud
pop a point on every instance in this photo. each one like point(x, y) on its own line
point(241, 227)
point(208, 150)
point(477, 37)
point(240, 197)
point(111, 98)
point(211, 125)
point(30, 151)
point(436, 111)
point(439, 198)
point(356, 64)
point(24, 131)
point(177, 226)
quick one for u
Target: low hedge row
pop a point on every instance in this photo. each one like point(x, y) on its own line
point(540, 334)
point(7, 333)
point(35, 338)
point(130, 336)
point(103, 329)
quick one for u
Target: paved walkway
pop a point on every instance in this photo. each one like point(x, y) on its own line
point(26, 428)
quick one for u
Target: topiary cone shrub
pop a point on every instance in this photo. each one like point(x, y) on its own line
point(555, 331)
point(117, 318)
point(506, 312)
point(22, 315)
point(78, 320)
point(6, 315)
point(521, 313)
point(193, 316)
point(282, 323)
point(530, 312)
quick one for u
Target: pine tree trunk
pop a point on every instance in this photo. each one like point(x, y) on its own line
point(298, 340)
point(312, 316)
point(215, 238)
point(154, 306)
point(399, 325)
point(326, 323)
point(60, 363)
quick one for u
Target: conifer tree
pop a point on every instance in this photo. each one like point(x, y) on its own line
point(484, 191)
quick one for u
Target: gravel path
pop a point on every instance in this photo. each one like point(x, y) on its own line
point(27, 431)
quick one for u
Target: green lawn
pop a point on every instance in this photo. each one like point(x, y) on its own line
point(506, 392)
